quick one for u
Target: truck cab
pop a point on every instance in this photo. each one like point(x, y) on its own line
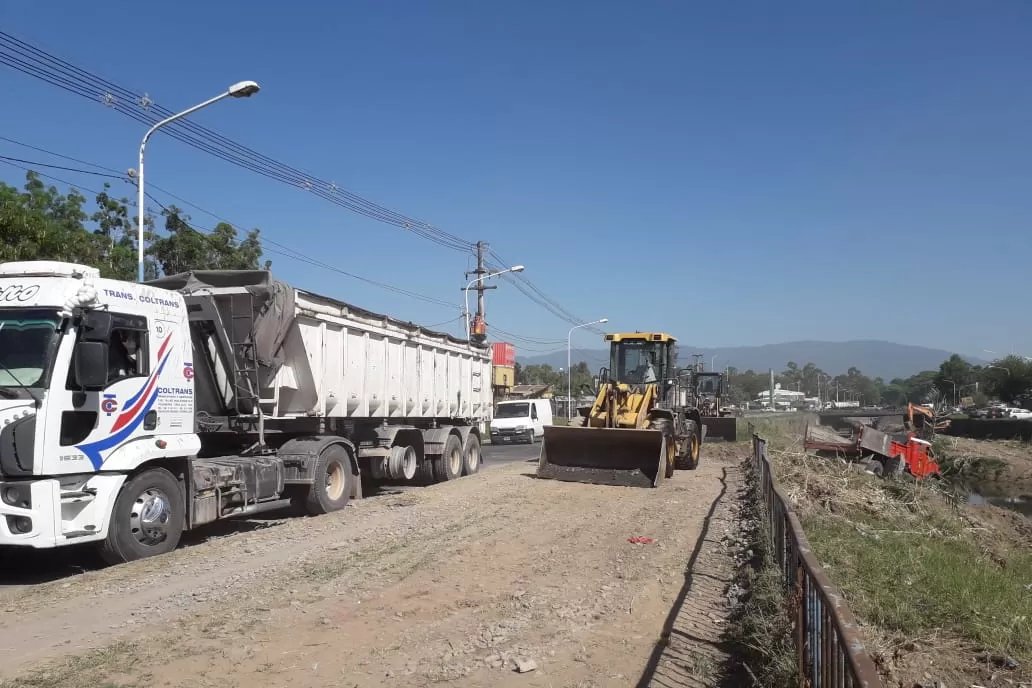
point(94, 381)
point(520, 421)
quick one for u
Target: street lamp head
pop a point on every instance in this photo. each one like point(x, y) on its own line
point(516, 268)
point(604, 320)
point(244, 89)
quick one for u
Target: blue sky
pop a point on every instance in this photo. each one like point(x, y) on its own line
point(785, 171)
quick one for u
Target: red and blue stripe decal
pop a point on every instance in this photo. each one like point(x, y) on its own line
point(134, 411)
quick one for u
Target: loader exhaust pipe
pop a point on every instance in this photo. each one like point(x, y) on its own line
point(602, 456)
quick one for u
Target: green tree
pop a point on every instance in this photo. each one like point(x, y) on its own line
point(954, 374)
point(1009, 379)
point(184, 248)
point(38, 222)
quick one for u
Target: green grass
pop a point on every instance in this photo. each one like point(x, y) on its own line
point(918, 583)
point(909, 560)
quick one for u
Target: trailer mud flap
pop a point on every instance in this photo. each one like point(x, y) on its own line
point(602, 456)
point(725, 428)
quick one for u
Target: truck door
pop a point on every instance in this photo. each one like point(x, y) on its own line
point(112, 409)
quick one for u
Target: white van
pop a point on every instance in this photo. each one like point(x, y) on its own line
point(520, 421)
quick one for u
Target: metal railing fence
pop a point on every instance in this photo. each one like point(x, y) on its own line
point(830, 652)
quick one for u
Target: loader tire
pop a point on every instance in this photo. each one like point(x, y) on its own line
point(690, 461)
point(669, 445)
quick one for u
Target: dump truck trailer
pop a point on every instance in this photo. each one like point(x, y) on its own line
point(132, 412)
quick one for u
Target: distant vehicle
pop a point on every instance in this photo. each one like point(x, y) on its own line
point(520, 421)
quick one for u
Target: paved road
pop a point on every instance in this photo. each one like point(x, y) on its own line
point(496, 455)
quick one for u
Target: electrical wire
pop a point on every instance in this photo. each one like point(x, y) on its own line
point(35, 62)
point(281, 250)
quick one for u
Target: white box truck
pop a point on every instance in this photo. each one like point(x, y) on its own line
point(132, 412)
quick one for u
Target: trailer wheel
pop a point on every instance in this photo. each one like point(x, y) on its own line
point(148, 518)
point(471, 455)
point(332, 481)
point(448, 466)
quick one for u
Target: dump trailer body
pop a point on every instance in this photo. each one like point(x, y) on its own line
point(602, 456)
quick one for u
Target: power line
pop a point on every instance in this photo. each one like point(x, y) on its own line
point(32, 61)
point(283, 250)
point(35, 62)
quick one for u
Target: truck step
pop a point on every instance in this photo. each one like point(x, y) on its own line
point(81, 495)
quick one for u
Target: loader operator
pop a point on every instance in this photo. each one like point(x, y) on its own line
point(647, 371)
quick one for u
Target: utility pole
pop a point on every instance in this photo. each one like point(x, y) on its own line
point(478, 329)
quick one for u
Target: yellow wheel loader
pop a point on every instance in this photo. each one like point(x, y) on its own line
point(638, 430)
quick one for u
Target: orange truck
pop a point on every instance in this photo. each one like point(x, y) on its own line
point(889, 454)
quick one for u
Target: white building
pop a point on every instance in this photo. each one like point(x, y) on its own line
point(783, 398)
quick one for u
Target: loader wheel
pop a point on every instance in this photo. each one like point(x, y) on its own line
point(669, 445)
point(691, 461)
point(448, 466)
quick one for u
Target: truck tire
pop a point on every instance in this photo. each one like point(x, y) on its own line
point(471, 455)
point(448, 466)
point(148, 518)
point(669, 446)
point(332, 481)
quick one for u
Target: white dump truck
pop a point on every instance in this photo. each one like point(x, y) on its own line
point(132, 412)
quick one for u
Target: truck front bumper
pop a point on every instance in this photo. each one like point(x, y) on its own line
point(29, 513)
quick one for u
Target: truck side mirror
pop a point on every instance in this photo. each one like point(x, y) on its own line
point(91, 365)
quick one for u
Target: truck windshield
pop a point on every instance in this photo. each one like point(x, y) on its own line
point(512, 411)
point(26, 346)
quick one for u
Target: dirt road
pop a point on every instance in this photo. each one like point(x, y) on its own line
point(458, 582)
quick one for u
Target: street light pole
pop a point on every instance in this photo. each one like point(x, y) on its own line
point(569, 364)
point(465, 292)
point(713, 362)
point(946, 379)
point(241, 89)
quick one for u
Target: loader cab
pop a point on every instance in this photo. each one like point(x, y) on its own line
point(709, 384)
point(641, 358)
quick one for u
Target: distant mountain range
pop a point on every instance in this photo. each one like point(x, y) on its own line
point(874, 358)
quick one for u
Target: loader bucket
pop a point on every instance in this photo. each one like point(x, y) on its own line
point(602, 456)
point(725, 428)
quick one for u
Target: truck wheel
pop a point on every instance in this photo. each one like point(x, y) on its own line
point(148, 518)
point(471, 455)
point(332, 482)
point(448, 466)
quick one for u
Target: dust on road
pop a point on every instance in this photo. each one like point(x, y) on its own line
point(462, 581)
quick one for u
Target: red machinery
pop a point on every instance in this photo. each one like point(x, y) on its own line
point(889, 454)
